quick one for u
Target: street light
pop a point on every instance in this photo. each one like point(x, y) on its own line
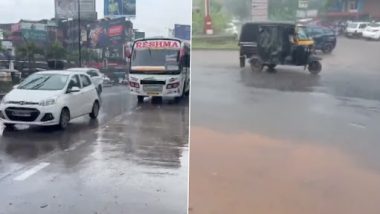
point(79, 35)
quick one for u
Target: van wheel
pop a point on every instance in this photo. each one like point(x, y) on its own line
point(95, 110)
point(140, 99)
point(315, 67)
point(64, 119)
point(242, 62)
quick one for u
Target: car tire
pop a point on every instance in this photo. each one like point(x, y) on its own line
point(327, 48)
point(95, 110)
point(64, 119)
point(100, 89)
point(140, 99)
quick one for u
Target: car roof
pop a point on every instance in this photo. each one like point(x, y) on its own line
point(66, 72)
point(81, 69)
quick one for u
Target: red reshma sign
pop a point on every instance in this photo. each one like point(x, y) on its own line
point(158, 44)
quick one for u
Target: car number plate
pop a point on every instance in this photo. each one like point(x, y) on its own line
point(21, 114)
point(152, 94)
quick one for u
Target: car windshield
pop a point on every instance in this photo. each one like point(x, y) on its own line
point(353, 25)
point(375, 25)
point(48, 82)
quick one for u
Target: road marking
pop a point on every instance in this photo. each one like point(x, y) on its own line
point(358, 125)
point(31, 171)
point(75, 146)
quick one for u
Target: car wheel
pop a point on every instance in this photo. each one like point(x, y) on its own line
point(64, 119)
point(140, 99)
point(95, 110)
point(328, 48)
point(315, 67)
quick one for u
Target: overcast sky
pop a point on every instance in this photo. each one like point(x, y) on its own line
point(154, 17)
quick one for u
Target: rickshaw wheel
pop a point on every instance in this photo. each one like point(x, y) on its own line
point(315, 67)
point(242, 62)
point(256, 65)
point(271, 68)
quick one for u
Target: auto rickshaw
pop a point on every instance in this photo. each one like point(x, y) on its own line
point(277, 43)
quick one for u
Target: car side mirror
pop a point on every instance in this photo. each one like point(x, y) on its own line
point(73, 90)
point(15, 86)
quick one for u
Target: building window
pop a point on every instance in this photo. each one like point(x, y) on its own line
point(353, 5)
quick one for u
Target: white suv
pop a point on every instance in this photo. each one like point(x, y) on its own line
point(96, 77)
point(50, 98)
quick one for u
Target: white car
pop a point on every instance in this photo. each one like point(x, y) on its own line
point(355, 28)
point(372, 31)
point(50, 98)
point(96, 77)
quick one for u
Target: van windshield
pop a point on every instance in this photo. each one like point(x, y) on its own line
point(149, 60)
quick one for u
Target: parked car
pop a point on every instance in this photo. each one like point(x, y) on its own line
point(50, 98)
point(96, 77)
point(372, 31)
point(324, 38)
point(355, 29)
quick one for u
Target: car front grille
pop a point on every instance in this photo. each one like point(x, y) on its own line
point(22, 103)
point(22, 114)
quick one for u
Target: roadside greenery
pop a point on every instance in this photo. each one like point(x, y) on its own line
point(219, 16)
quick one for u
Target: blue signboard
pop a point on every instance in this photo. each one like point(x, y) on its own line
point(120, 7)
point(182, 32)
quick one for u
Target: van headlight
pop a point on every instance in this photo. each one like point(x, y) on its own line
point(47, 102)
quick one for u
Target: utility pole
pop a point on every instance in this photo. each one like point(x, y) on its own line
point(207, 20)
point(79, 36)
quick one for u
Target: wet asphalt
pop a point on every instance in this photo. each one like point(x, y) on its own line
point(288, 142)
point(133, 159)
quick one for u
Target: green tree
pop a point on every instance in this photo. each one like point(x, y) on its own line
point(219, 17)
point(56, 51)
point(285, 10)
point(28, 52)
point(239, 8)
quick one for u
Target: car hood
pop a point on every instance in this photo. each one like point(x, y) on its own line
point(31, 95)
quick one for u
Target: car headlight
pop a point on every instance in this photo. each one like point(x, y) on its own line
point(3, 101)
point(47, 102)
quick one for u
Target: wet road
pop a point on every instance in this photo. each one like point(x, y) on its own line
point(290, 142)
point(134, 159)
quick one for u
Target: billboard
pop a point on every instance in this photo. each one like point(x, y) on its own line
point(65, 9)
point(182, 32)
point(114, 32)
point(120, 8)
point(259, 10)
